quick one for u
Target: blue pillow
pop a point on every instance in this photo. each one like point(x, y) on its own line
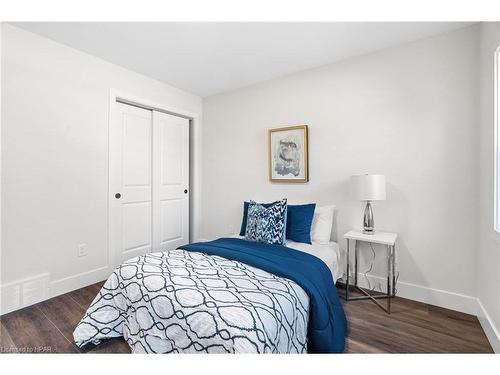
point(299, 221)
point(267, 224)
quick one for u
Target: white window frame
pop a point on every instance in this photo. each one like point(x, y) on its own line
point(497, 140)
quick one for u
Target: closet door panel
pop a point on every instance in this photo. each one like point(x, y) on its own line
point(172, 152)
point(137, 150)
point(136, 227)
point(170, 181)
point(130, 213)
point(172, 218)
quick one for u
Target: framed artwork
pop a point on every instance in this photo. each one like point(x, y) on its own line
point(288, 154)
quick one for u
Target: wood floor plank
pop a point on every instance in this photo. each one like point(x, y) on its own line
point(357, 347)
point(6, 343)
point(64, 313)
point(85, 296)
point(32, 332)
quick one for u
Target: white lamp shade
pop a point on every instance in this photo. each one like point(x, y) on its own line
point(368, 187)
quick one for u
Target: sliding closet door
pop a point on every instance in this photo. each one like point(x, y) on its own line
point(130, 183)
point(149, 182)
point(170, 181)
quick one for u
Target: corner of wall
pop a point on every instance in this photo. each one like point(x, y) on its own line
point(488, 326)
point(1, 115)
point(488, 311)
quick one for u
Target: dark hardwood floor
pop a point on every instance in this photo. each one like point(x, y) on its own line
point(412, 327)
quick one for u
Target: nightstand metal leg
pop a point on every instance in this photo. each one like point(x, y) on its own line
point(393, 270)
point(356, 263)
point(347, 274)
point(389, 268)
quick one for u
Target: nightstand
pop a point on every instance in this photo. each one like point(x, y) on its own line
point(382, 238)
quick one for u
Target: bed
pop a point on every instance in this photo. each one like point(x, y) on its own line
point(224, 296)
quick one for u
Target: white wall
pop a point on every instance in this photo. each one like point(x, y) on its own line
point(489, 240)
point(55, 159)
point(409, 112)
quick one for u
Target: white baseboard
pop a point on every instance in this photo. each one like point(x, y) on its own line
point(431, 296)
point(492, 333)
point(25, 292)
point(68, 284)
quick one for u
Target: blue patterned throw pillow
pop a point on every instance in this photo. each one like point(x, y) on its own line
point(267, 224)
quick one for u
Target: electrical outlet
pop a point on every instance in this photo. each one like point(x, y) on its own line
point(82, 250)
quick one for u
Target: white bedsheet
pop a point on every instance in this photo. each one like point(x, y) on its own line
point(328, 253)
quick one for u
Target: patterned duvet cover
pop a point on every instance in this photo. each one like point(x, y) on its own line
point(184, 301)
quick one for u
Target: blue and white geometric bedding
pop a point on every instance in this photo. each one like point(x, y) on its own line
point(183, 301)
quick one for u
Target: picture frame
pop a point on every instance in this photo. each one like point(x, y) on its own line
point(289, 154)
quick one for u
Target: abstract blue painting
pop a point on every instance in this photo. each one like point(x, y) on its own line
point(288, 154)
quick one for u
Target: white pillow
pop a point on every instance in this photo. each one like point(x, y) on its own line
point(321, 229)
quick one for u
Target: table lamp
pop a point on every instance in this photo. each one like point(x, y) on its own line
point(368, 187)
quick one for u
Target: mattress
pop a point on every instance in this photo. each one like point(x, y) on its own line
point(328, 253)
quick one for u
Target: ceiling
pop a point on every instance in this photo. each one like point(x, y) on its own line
point(210, 58)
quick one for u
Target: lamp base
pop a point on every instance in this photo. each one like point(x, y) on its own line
point(368, 222)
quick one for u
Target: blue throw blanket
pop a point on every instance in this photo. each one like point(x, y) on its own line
point(327, 321)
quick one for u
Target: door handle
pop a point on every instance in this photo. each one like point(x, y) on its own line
point(118, 195)
point(185, 191)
